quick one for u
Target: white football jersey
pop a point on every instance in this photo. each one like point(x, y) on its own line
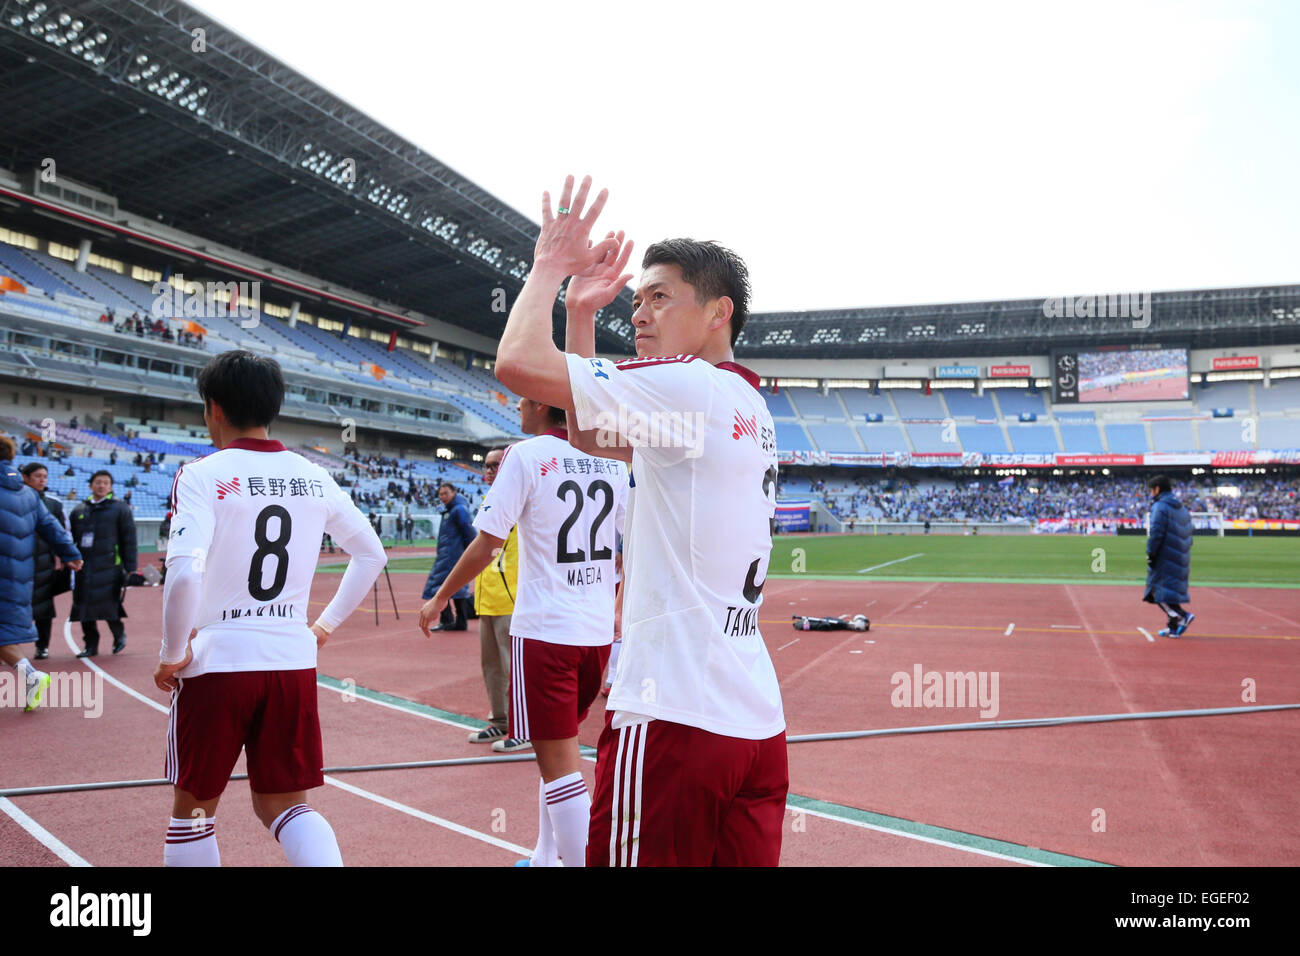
point(252, 516)
point(569, 506)
point(700, 510)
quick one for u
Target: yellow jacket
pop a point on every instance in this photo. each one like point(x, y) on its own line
point(497, 585)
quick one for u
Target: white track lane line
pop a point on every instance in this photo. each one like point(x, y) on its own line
point(460, 725)
point(1068, 627)
point(357, 791)
point(1010, 627)
point(44, 836)
point(916, 836)
point(888, 563)
point(1147, 634)
point(784, 646)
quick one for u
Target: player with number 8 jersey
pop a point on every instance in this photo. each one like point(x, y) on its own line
point(239, 653)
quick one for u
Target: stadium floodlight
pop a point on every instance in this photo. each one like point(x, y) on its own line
point(64, 19)
point(39, 9)
point(16, 20)
point(141, 60)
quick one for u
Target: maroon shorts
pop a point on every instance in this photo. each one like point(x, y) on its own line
point(672, 795)
point(270, 714)
point(552, 687)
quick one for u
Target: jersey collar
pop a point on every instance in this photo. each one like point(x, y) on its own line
point(257, 444)
point(561, 433)
point(740, 370)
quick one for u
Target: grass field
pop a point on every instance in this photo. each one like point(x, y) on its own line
point(1039, 559)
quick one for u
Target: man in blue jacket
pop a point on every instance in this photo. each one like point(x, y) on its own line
point(1169, 556)
point(454, 535)
point(22, 518)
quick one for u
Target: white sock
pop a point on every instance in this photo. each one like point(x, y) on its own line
point(191, 842)
point(24, 667)
point(306, 837)
point(546, 853)
point(569, 806)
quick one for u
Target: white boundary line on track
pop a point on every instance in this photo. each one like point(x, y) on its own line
point(784, 646)
point(1010, 627)
point(356, 791)
point(44, 836)
point(1147, 634)
point(1068, 627)
point(916, 836)
point(459, 725)
point(876, 567)
point(428, 817)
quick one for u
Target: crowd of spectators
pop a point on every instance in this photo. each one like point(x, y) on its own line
point(1031, 499)
point(154, 328)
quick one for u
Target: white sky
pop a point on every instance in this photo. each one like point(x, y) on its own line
point(857, 154)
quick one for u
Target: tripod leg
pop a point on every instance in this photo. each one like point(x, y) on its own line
point(376, 590)
point(391, 595)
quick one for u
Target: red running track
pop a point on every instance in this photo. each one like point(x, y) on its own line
point(1195, 791)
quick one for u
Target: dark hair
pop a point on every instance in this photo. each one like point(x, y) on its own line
point(106, 474)
point(31, 468)
point(555, 415)
point(712, 269)
point(447, 484)
point(7, 448)
point(1162, 482)
point(248, 387)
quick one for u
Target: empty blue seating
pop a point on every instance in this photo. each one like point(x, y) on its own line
point(1081, 439)
point(883, 438)
point(1172, 436)
point(1016, 401)
point(812, 403)
point(834, 437)
point(790, 436)
point(1279, 433)
point(1126, 439)
point(1225, 434)
point(778, 405)
point(1032, 439)
point(966, 404)
point(1279, 396)
point(983, 438)
point(917, 405)
point(930, 438)
point(1234, 395)
point(862, 402)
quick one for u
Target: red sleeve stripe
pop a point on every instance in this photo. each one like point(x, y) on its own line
point(629, 364)
point(175, 489)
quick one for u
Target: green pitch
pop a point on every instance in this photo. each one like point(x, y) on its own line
point(1038, 559)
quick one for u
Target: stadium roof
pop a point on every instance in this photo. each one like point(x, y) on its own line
point(1206, 318)
point(188, 124)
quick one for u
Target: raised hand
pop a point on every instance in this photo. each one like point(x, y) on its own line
point(564, 243)
point(600, 284)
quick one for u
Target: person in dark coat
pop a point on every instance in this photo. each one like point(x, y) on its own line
point(23, 518)
point(104, 530)
point(46, 583)
point(1169, 556)
point(454, 535)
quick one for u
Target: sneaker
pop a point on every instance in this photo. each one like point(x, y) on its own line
point(36, 690)
point(1181, 629)
point(88, 653)
point(523, 862)
point(42, 653)
point(119, 646)
point(486, 735)
point(1165, 632)
point(860, 623)
point(511, 745)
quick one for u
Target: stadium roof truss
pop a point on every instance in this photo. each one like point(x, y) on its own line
point(1212, 318)
point(187, 123)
